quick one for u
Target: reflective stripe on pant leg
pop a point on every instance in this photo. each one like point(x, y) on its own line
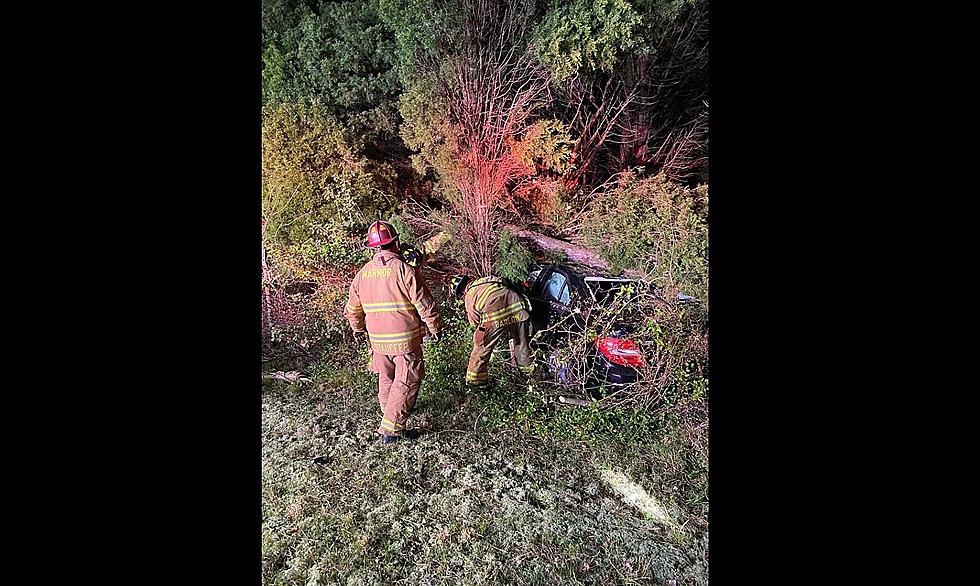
point(483, 343)
point(385, 368)
point(476, 368)
point(409, 370)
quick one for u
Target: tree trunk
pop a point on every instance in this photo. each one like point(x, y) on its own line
point(576, 254)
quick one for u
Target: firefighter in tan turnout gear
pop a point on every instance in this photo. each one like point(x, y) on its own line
point(496, 310)
point(390, 302)
point(417, 256)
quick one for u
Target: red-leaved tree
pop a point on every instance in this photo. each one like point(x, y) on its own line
point(493, 85)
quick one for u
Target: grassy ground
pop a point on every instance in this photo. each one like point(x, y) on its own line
point(503, 487)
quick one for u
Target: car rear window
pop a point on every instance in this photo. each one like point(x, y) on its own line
point(556, 289)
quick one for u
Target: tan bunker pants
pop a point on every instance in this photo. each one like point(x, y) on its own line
point(484, 342)
point(399, 378)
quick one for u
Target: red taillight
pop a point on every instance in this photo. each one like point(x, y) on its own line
point(620, 351)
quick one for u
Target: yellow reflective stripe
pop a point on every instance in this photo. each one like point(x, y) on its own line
point(389, 428)
point(402, 338)
point(472, 288)
point(470, 375)
point(396, 337)
point(390, 308)
point(390, 422)
point(478, 305)
point(509, 308)
point(483, 298)
point(505, 315)
point(386, 303)
point(397, 334)
point(354, 309)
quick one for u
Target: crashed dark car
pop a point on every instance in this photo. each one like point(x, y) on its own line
point(563, 301)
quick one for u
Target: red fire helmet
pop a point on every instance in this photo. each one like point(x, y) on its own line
point(380, 233)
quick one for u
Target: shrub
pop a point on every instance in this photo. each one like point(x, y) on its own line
point(318, 192)
point(405, 233)
point(545, 146)
point(339, 57)
point(514, 259)
point(656, 227)
point(445, 361)
point(586, 34)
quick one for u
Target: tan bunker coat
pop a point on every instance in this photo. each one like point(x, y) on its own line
point(390, 301)
point(496, 310)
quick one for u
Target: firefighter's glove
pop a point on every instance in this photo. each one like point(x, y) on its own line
point(435, 336)
point(360, 338)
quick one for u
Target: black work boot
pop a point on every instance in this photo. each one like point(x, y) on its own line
point(388, 439)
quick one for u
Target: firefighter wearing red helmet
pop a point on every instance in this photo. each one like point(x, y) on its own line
point(389, 301)
point(381, 233)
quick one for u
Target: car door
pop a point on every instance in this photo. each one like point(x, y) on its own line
point(553, 296)
point(532, 288)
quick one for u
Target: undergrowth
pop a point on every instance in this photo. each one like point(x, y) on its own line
point(498, 489)
point(505, 485)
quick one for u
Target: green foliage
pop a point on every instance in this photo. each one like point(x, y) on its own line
point(656, 226)
point(659, 12)
point(586, 35)
point(327, 246)
point(417, 26)
point(318, 192)
point(562, 213)
point(277, 85)
point(514, 258)
point(339, 56)
point(405, 233)
point(425, 124)
point(534, 407)
point(445, 361)
point(546, 145)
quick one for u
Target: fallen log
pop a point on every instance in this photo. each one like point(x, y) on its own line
point(574, 253)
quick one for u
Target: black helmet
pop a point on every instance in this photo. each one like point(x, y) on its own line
point(412, 255)
point(458, 284)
